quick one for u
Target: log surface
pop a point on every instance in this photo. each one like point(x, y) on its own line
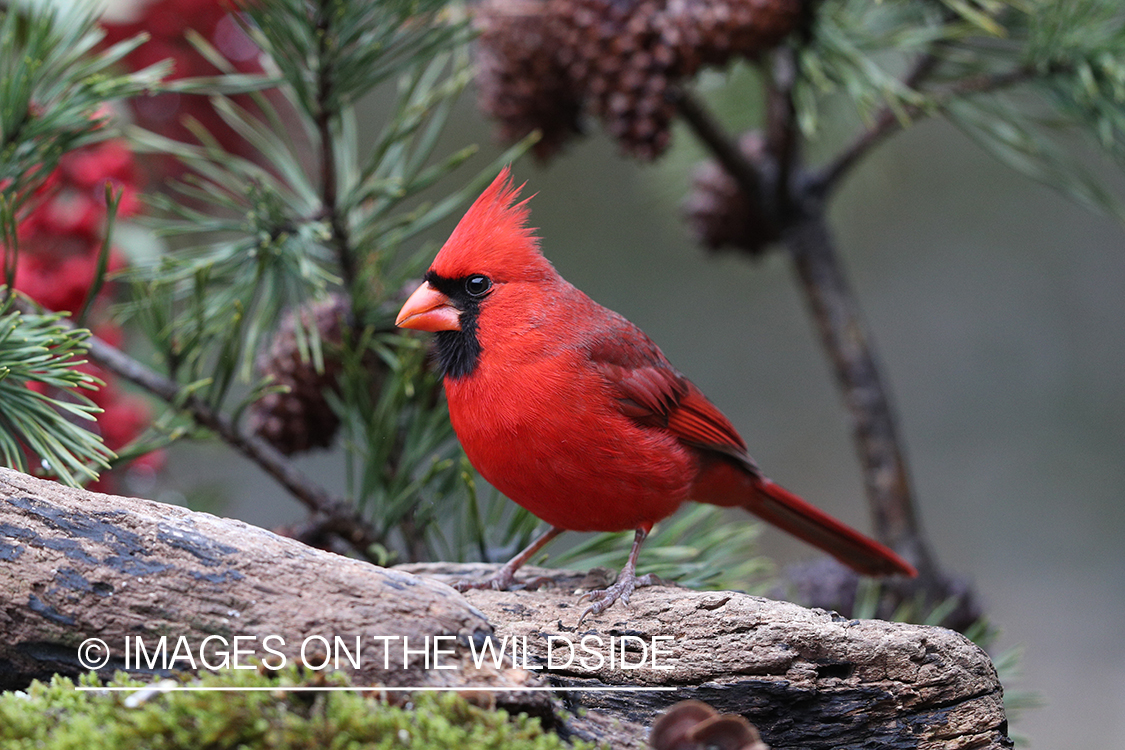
point(76, 565)
point(806, 678)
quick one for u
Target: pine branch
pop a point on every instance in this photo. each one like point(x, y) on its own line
point(835, 310)
point(43, 409)
point(328, 511)
point(341, 222)
point(890, 121)
point(886, 123)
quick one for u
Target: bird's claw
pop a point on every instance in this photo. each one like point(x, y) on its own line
point(603, 599)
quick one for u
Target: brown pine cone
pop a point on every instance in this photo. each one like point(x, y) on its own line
point(720, 214)
point(520, 80)
point(544, 63)
point(740, 28)
point(300, 418)
point(617, 55)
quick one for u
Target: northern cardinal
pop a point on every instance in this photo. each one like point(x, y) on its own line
point(573, 412)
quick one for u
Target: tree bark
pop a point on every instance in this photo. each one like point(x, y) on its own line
point(807, 678)
point(78, 565)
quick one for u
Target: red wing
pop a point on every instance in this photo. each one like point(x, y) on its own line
point(697, 421)
point(654, 394)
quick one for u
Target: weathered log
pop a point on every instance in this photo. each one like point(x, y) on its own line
point(80, 565)
point(76, 565)
point(806, 678)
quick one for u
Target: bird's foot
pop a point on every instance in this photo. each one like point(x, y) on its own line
point(603, 599)
point(501, 581)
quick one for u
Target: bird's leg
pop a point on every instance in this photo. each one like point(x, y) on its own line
point(507, 574)
point(626, 582)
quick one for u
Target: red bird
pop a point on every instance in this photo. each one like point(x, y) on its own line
point(574, 413)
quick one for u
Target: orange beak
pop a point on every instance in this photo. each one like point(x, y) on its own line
point(429, 310)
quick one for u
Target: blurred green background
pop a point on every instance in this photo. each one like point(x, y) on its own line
point(998, 309)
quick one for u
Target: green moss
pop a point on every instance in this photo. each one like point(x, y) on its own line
point(57, 716)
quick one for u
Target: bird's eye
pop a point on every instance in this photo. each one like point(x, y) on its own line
point(477, 286)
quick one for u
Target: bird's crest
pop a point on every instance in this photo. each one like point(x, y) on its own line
point(493, 238)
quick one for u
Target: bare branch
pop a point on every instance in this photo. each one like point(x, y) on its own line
point(782, 134)
point(725, 149)
point(842, 333)
point(801, 220)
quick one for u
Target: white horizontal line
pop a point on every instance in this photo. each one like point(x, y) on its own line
point(377, 688)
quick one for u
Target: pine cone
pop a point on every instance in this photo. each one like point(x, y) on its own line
point(519, 78)
point(738, 28)
point(615, 53)
point(543, 64)
point(300, 418)
point(720, 214)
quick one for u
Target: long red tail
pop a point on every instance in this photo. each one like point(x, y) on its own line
point(783, 509)
point(729, 485)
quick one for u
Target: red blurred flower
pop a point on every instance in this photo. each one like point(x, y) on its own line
point(166, 22)
point(60, 240)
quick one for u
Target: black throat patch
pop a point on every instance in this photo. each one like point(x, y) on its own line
point(458, 351)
